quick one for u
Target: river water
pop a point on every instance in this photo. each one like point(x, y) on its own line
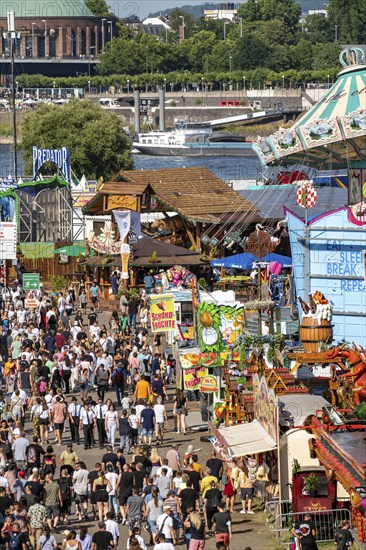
point(226, 168)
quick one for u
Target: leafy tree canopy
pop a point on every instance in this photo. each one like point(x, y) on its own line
point(288, 11)
point(81, 126)
point(98, 7)
point(350, 16)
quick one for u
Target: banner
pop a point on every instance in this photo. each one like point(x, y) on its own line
point(123, 221)
point(162, 313)
point(192, 378)
point(208, 384)
point(219, 326)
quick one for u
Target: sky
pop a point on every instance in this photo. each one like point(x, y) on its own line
point(142, 8)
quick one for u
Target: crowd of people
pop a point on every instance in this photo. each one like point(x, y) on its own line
point(71, 381)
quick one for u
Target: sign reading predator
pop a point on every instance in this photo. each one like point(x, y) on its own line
point(162, 313)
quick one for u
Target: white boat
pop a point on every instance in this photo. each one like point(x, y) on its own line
point(184, 141)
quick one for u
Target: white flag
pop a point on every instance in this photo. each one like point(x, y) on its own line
point(123, 221)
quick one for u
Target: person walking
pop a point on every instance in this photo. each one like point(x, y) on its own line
point(112, 477)
point(344, 537)
point(222, 526)
point(101, 488)
point(180, 411)
point(87, 420)
point(52, 501)
point(102, 539)
point(80, 482)
point(161, 420)
point(154, 509)
point(164, 525)
point(58, 414)
point(196, 526)
point(37, 515)
point(147, 417)
point(124, 432)
point(111, 423)
point(118, 379)
point(124, 488)
point(100, 412)
point(74, 410)
point(135, 508)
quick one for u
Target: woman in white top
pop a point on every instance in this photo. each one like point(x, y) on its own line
point(35, 413)
point(111, 423)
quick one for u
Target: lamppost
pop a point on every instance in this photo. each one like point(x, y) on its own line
point(90, 48)
point(89, 86)
point(244, 84)
point(33, 25)
point(283, 82)
point(202, 88)
point(230, 63)
point(165, 84)
point(335, 33)
point(328, 76)
point(241, 27)
point(225, 23)
point(128, 86)
point(45, 38)
point(103, 33)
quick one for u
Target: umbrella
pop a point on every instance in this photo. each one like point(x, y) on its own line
point(245, 260)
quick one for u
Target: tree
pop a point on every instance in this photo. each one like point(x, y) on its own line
point(350, 16)
point(98, 145)
point(98, 7)
point(288, 11)
point(318, 29)
point(326, 56)
point(250, 52)
point(198, 48)
point(302, 55)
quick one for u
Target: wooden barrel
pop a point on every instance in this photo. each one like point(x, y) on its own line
point(312, 335)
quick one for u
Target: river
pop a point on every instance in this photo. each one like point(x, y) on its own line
point(226, 168)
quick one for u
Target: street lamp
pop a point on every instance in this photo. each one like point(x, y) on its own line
point(241, 27)
point(202, 88)
point(128, 86)
point(165, 84)
point(335, 33)
point(33, 25)
point(89, 85)
point(283, 82)
point(225, 23)
point(328, 76)
point(230, 62)
point(103, 33)
point(244, 83)
point(45, 37)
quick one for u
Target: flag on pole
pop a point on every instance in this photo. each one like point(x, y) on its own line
point(123, 221)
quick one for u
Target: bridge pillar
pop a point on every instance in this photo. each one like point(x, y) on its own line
point(60, 44)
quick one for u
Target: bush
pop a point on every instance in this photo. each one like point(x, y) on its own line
point(58, 283)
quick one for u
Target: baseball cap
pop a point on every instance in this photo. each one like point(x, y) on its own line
point(167, 507)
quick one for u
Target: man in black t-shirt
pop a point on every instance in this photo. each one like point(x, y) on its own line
point(124, 486)
point(102, 539)
point(189, 498)
point(92, 476)
point(344, 538)
point(305, 531)
point(222, 526)
point(215, 465)
point(33, 454)
point(111, 457)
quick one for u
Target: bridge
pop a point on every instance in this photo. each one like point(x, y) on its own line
point(256, 115)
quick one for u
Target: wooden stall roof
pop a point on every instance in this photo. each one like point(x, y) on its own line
point(167, 254)
point(195, 193)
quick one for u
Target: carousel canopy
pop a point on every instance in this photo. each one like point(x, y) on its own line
point(333, 131)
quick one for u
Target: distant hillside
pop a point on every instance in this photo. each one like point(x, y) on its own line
point(197, 11)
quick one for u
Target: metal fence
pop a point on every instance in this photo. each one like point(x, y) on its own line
point(281, 519)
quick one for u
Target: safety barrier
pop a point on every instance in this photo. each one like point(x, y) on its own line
point(280, 519)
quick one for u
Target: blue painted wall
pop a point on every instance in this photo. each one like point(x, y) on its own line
point(333, 264)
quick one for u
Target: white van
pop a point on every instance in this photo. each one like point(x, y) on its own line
point(107, 103)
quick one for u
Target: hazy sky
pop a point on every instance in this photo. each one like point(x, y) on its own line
point(142, 8)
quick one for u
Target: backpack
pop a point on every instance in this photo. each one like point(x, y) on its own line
point(65, 488)
point(14, 541)
point(118, 378)
point(224, 479)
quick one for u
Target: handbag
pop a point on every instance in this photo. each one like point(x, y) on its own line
point(162, 525)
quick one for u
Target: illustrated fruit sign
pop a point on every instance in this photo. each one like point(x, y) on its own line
point(208, 384)
point(219, 326)
point(162, 313)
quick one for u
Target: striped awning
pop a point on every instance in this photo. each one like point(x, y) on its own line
point(333, 131)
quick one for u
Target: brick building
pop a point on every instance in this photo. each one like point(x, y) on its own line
point(56, 29)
